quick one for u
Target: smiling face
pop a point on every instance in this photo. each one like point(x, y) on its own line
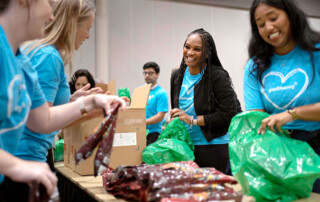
point(274, 27)
point(83, 31)
point(40, 15)
point(192, 51)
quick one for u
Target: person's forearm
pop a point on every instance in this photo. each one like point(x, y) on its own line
point(50, 119)
point(7, 161)
point(155, 119)
point(309, 112)
point(200, 120)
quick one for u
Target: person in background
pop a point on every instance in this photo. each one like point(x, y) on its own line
point(80, 79)
point(283, 74)
point(22, 102)
point(65, 34)
point(158, 104)
point(202, 96)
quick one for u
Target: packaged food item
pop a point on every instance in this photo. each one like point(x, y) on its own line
point(104, 135)
point(177, 180)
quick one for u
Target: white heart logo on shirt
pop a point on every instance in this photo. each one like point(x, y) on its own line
point(283, 80)
point(18, 108)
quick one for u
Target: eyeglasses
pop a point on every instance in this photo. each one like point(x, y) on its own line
point(148, 73)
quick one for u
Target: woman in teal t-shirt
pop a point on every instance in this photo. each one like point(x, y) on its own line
point(282, 77)
point(48, 56)
point(22, 102)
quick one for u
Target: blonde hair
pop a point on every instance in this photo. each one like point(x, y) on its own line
point(62, 30)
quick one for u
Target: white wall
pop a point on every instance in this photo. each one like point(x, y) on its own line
point(143, 30)
point(147, 30)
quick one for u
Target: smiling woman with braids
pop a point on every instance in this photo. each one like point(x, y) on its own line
point(283, 75)
point(203, 98)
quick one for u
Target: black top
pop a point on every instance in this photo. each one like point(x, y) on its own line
point(214, 98)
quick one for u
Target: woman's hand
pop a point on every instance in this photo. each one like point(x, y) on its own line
point(84, 91)
point(28, 171)
point(106, 101)
point(275, 121)
point(181, 114)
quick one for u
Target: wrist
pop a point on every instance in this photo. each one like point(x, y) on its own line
point(94, 101)
point(81, 105)
point(195, 122)
point(293, 113)
point(72, 98)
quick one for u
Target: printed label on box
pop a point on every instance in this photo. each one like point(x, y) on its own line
point(125, 139)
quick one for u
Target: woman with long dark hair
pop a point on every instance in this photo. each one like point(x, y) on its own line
point(283, 74)
point(80, 79)
point(202, 96)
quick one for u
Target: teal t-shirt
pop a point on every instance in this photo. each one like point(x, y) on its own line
point(53, 81)
point(20, 92)
point(186, 104)
point(289, 82)
point(158, 102)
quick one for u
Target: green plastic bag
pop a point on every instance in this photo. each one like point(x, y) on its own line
point(124, 92)
point(174, 144)
point(58, 152)
point(272, 166)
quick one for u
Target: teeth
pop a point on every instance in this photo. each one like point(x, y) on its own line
point(274, 35)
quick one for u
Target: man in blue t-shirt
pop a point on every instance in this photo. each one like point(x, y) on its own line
point(157, 103)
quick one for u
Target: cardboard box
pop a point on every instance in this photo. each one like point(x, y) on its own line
point(107, 87)
point(129, 140)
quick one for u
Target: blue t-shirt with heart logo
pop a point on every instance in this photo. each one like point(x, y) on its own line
point(289, 82)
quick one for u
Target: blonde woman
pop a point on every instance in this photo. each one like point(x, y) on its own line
point(64, 35)
point(22, 102)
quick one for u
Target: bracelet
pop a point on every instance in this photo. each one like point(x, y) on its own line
point(94, 101)
point(293, 113)
point(191, 122)
point(81, 105)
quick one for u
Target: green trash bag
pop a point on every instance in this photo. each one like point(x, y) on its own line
point(124, 92)
point(174, 144)
point(272, 166)
point(58, 152)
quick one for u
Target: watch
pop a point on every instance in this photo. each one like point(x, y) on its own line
point(195, 122)
point(293, 113)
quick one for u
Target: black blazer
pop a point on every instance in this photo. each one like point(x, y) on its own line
point(214, 98)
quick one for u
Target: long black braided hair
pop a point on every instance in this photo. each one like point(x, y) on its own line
point(209, 59)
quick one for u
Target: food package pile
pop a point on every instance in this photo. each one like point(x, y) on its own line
point(177, 181)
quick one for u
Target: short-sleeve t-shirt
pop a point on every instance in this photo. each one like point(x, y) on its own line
point(158, 102)
point(53, 81)
point(20, 92)
point(290, 81)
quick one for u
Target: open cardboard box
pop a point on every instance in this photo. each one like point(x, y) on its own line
point(129, 140)
point(107, 87)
